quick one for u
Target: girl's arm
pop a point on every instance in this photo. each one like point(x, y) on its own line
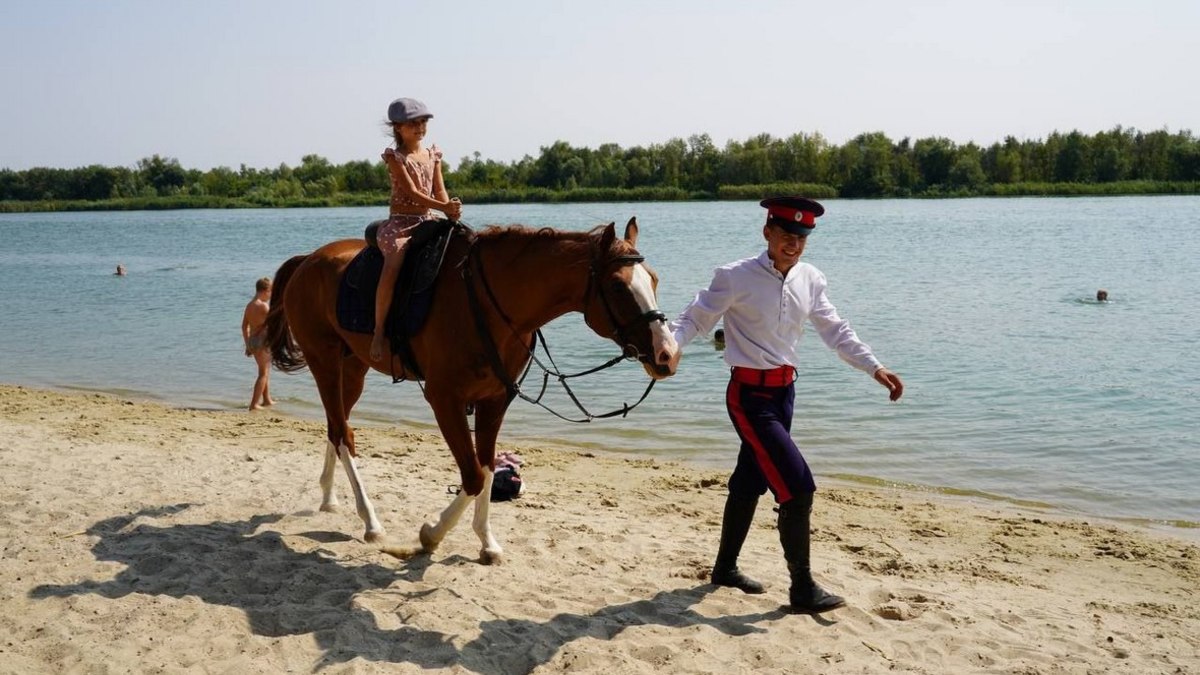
point(439, 186)
point(403, 182)
point(454, 210)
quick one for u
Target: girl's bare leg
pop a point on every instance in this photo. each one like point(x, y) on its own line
point(383, 300)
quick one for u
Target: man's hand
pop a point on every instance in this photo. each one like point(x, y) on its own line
point(892, 381)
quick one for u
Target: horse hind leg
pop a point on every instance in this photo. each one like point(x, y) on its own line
point(329, 500)
point(338, 394)
point(353, 375)
point(362, 503)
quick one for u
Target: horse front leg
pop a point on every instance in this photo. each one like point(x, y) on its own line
point(432, 534)
point(452, 420)
point(491, 553)
point(489, 415)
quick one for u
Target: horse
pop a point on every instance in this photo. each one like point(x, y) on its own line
point(494, 291)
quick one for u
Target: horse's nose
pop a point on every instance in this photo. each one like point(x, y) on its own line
point(665, 362)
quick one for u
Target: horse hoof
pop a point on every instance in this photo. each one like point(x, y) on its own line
point(372, 537)
point(330, 507)
point(427, 541)
point(493, 556)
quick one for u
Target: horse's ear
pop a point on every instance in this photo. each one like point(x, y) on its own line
point(631, 231)
point(608, 236)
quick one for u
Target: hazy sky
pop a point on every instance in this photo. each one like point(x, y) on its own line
point(264, 82)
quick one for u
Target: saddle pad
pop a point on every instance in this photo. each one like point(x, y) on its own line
point(413, 295)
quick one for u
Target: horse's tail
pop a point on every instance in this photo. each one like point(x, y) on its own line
point(285, 353)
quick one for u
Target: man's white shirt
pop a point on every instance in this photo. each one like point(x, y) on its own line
point(765, 314)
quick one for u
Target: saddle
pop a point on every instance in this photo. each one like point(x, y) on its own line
point(413, 297)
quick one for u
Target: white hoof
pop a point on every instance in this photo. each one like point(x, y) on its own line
point(330, 507)
point(492, 556)
point(373, 536)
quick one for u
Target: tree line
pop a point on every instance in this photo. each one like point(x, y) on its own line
point(1118, 161)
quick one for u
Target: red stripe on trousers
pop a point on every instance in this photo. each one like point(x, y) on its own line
point(733, 400)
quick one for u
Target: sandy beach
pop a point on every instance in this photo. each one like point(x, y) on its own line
point(140, 538)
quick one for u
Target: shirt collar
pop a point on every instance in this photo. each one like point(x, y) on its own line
point(764, 259)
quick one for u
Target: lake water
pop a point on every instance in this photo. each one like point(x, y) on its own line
point(1019, 384)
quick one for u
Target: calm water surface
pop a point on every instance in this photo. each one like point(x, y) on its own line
point(1018, 384)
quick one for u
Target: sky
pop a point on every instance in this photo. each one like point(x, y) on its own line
point(265, 82)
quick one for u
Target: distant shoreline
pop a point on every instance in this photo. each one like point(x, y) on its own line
point(588, 195)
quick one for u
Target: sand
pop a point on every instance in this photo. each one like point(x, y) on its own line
point(140, 538)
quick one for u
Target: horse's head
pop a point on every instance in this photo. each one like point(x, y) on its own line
point(621, 302)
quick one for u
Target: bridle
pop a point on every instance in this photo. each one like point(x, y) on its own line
point(472, 265)
point(620, 331)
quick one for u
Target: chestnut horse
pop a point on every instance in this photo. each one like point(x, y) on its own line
point(518, 279)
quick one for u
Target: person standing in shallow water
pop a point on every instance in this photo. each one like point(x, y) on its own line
point(765, 302)
point(254, 335)
point(417, 187)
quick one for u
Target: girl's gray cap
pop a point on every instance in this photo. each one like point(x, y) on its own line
point(407, 110)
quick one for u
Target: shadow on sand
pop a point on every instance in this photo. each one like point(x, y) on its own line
point(234, 565)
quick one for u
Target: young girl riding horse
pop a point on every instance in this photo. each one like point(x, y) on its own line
point(417, 187)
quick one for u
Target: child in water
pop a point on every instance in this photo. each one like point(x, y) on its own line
point(416, 176)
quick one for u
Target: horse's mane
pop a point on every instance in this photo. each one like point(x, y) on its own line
point(524, 231)
point(518, 238)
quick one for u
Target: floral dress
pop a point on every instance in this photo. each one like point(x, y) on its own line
point(394, 232)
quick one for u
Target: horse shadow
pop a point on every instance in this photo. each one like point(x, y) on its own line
point(233, 564)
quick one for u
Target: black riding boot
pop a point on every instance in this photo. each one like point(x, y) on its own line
point(805, 595)
point(735, 525)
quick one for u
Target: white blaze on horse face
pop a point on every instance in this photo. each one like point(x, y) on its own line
point(643, 291)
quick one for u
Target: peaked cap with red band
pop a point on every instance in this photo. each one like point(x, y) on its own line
point(796, 215)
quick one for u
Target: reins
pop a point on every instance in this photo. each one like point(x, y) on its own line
point(474, 260)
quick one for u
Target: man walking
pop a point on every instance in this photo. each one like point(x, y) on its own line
point(765, 302)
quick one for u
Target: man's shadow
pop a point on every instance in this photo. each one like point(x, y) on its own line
point(231, 564)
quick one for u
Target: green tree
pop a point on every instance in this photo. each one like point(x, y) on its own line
point(704, 164)
point(1185, 158)
point(364, 176)
point(1074, 161)
point(967, 172)
point(866, 162)
point(312, 169)
point(934, 158)
point(163, 174)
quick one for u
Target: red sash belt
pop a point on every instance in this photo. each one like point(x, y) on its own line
point(775, 377)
